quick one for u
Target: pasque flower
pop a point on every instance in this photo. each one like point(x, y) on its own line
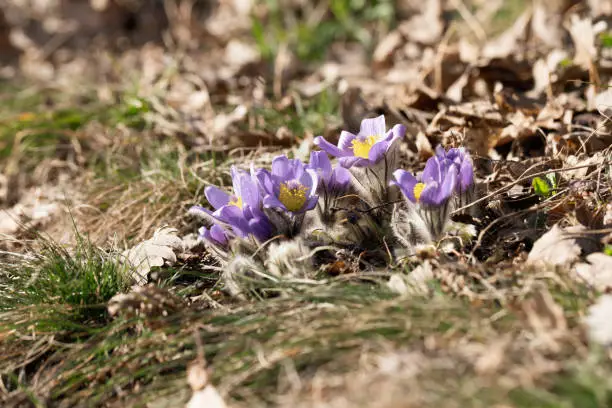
point(216, 235)
point(240, 211)
point(429, 194)
point(433, 188)
point(332, 180)
point(367, 147)
point(461, 159)
point(290, 186)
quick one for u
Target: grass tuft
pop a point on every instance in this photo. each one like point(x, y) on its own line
point(85, 276)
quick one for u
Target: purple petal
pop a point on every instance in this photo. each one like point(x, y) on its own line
point(448, 186)
point(430, 194)
point(345, 142)
point(235, 173)
point(205, 233)
point(373, 127)
point(377, 152)
point(264, 178)
point(311, 203)
point(271, 201)
point(432, 171)
point(296, 169)
point(249, 192)
point(218, 235)
point(397, 132)
point(319, 162)
point(348, 162)
point(260, 228)
point(280, 166)
point(328, 147)
point(216, 197)
point(406, 182)
point(466, 175)
point(233, 216)
point(440, 152)
point(340, 179)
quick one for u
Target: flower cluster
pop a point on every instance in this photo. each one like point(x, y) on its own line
point(267, 204)
point(446, 175)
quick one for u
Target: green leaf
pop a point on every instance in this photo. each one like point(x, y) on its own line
point(608, 250)
point(606, 39)
point(541, 187)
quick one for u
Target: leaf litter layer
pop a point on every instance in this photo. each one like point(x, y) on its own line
point(130, 145)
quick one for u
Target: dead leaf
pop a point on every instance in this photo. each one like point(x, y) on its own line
point(209, 397)
point(554, 248)
point(546, 319)
point(383, 54)
point(427, 27)
point(583, 36)
point(492, 358)
point(597, 271)
point(157, 251)
point(414, 283)
point(149, 301)
point(506, 43)
point(598, 321)
point(543, 313)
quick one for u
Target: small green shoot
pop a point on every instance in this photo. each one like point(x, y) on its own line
point(545, 187)
point(606, 39)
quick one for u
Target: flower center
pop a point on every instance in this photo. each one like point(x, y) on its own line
point(237, 201)
point(361, 148)
point(293, 195)
point(418, 189)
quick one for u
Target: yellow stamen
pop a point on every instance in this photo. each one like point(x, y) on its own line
point(293, 197)
point(418, 189)
point(237, 201)
point(361, 148)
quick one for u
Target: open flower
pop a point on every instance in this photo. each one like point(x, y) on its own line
point(429, 194)
point(433, 188)
point(366, 148)
point(289, 187)
point(241, 211)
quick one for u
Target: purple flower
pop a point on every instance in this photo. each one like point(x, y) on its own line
point(434, 187)
point(241, 210)
point(290, 186)
point(366, 148)
point(461, 159)
point(216, 235)
point(331, 180)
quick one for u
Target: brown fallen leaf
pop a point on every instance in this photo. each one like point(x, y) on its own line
point(554, 248)
point(583, 34)
point(598, 321)
point(597, 271)
point(157, 251)
point(149, 301)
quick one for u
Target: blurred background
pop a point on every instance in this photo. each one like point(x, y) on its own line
point(108, 92)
